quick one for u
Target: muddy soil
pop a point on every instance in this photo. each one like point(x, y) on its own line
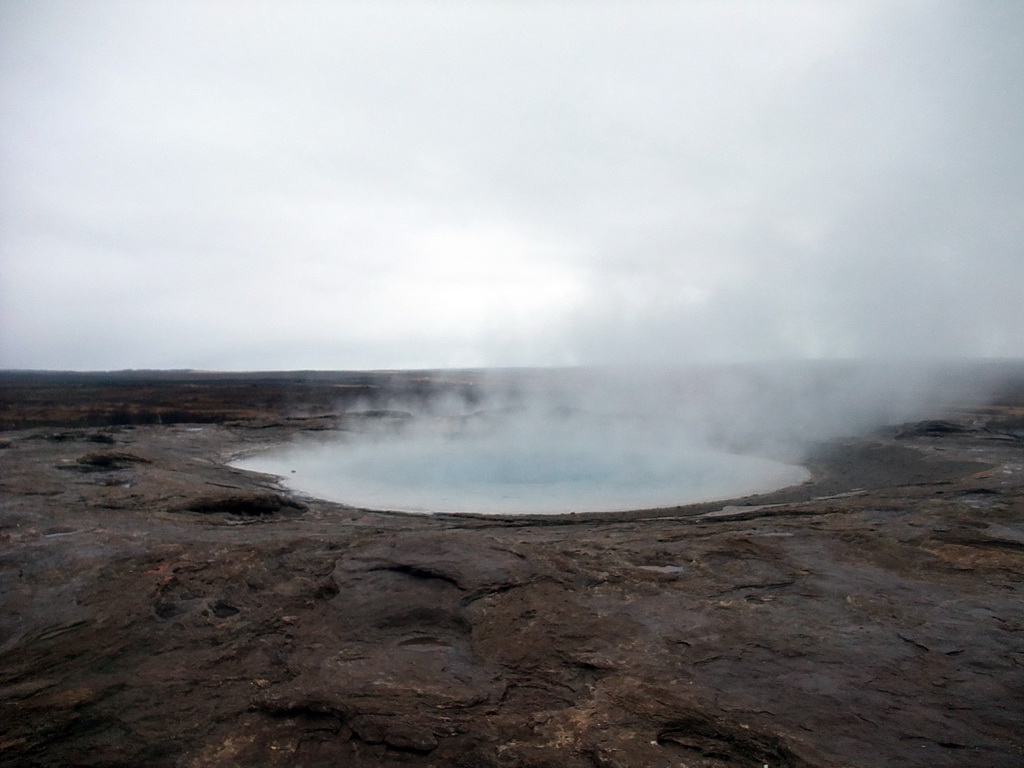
point(161, 608)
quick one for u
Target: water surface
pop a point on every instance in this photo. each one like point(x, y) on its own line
point(519, 473)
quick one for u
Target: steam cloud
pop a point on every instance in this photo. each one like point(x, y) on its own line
point(769, 409)
point(605, 440)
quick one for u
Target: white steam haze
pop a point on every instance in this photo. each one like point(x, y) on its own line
point(609, 439)
point(347, 185)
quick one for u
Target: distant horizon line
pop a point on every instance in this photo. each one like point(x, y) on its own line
point(466, 369)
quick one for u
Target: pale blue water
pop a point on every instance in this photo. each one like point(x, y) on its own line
point(518, 474)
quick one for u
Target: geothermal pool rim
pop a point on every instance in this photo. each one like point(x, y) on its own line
point(504, 475)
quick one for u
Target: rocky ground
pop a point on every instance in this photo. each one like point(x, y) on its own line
point(161, 608)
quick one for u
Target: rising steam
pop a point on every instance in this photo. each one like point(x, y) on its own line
point(607, 440)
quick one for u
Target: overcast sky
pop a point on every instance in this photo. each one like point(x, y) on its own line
point(260, 185)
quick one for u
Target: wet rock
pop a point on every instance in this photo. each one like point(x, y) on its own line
point(466, 560)
point(106, 461)
point(410, 738)
point(223, 610)
point(376, 414)
point(702, 740)
point(932, 428)
point(247, 504)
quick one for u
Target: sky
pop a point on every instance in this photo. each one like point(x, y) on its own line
point(343, 185)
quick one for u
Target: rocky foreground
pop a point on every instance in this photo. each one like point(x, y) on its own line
point(160, 608)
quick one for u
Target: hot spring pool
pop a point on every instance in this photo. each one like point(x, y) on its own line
point(518, 474)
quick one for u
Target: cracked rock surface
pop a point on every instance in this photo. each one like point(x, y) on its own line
point(161, 608)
